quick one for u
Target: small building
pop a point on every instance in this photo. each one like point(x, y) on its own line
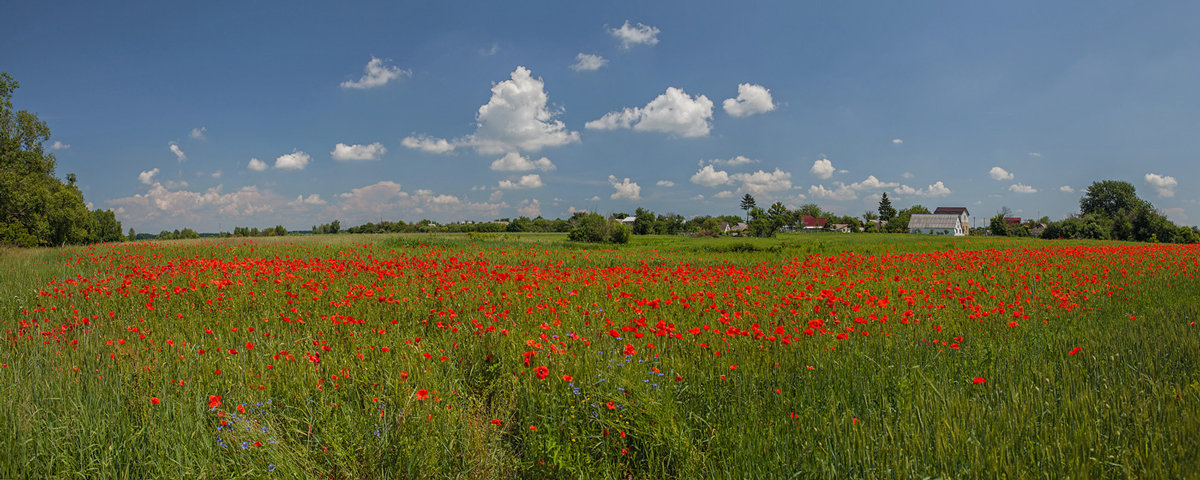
point(627, 220)
point(936, 224)
point(1012, 221)
point(963, 216)
point(841, 227)
point(813, 223)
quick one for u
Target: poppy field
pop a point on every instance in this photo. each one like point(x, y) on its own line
point(491, 357)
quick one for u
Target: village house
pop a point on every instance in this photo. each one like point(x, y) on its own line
point(944, 221)
point(813, 223)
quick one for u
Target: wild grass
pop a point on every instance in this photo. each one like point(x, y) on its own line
point(900, 401)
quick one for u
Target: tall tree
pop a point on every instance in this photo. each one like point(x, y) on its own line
point(886, 210)
point(36, 208)
point(1110, 198)
point(747, 205)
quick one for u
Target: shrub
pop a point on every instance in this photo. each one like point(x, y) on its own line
point(593, 228)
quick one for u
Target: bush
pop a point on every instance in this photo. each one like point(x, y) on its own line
point(593, 228)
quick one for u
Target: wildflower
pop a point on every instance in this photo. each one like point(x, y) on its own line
point(155, 400)
point(422, 394)
point(979, 380)
point(542, 372)
point(568, 378)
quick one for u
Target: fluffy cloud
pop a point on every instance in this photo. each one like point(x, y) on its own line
point(735, 161)
point(630, 35)
point(938, 189)
point(1163, 184)
point(375, 198)
point(346, 153)
point(723, 194)
point(57, 145)
point(710, 177)
point(526, 181)
point(1021, 188)
point(516, 118)
point(191, 207)
point(257, 165)
point(872, 183)
point(427, 143)
point(198, 133)
point(897, 141)
point(842, 192)
point(665, 183)
point(301, 200)
point(530, 208)
point(376, 74)
point(296, 160)
point(586, 62)
point(624, 189)
point(672, 112)
point(822, 169)
point(147, 177)
point(751, 99)
point(177, 151)
point(999, 174)
point(515, 162)
point(761, 182)
point(1066, 189)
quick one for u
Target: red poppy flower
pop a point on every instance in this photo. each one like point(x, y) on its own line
point(568, 378)
point(1074, 351)
point(422, 394)
point(979, 380)
point(154, 400)
point(214, 401)
point(542, 372)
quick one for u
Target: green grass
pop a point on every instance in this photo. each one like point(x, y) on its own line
point(896, 403)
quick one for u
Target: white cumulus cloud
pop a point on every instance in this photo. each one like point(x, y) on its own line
point(1066, 189)
point(376, 74)
point(841, 192)
point(1163, 184)
point(257, 165)
point(515, 162)
point(530, 208)
point(586, 62)
point(999, 174)
point(735, 161)
point(762, 182)
point(427, 143)
point(301, 200)
point(198, 133)
point(723, 194)
point(1021, 188)
point(57, 145)
point(296, 160)
point(631, 35)
point(710, 177)
point(897, 141)
point(822, 169)
point(665, 183)
point(938, 189)
point(177, 151)
point(872, 183)
point(625, 189)
point(672, 112)
point(751, 99)
point(147, 177)
point(347, 153)
point(526, 181)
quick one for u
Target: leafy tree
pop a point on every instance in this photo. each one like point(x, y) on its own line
point(899, 223)
point(886, 210)
point(106, 228)
point(1111, 198)
point(36, 208)
point(132, 235)
point(766, 223)
point(747, 205)
point(594, 228)
point(643, 222)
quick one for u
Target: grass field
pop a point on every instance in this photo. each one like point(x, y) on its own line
point(501, 356)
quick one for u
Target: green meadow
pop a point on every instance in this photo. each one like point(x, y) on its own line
point(528, 356)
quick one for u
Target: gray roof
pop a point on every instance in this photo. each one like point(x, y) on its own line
point(942, 220)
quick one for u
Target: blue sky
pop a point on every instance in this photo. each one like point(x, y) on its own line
point(262, 113)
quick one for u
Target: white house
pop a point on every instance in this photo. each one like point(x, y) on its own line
point(964, 216)
point(936, 224)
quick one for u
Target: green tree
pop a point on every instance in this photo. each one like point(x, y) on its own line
point(886, 210)
point(643, 222)
point(747, 205)
point(36, 208)
point(106, 228)
point(594, 228)
point(1111, 198)
point(132, 235)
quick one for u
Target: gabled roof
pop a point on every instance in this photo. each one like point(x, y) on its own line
point(1012, 220)
point(923, 220)
point(810, 221)
point(951, 210)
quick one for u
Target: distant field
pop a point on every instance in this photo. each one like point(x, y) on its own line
point(515, 356)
